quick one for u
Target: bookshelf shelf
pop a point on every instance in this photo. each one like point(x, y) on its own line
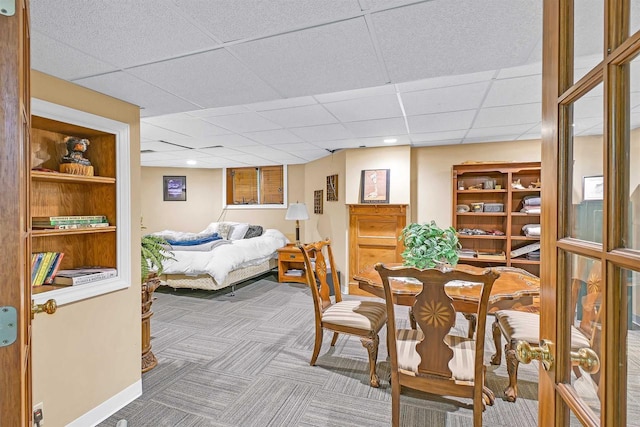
point(56, 233)
point(510, 221)
point(63, 177)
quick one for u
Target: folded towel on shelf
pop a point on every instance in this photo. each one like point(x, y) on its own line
point(531, 210)
point(531, 230)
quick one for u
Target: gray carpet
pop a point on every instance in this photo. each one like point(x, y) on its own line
point(243, 360)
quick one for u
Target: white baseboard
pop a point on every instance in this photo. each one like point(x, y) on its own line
point(109, 406)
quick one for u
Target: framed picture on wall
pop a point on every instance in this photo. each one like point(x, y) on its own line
point(317, 201)
point(332, 188)
point(174, 188)
point(374, 186)
point(592, 187)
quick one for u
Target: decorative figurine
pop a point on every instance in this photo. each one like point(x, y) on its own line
point(536, 184)
point(74, 162)
point(516, 185)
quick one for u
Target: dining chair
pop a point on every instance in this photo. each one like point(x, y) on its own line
point(430, 358)
point(353, 317)
point(522, 325)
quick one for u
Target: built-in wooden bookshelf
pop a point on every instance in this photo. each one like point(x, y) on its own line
point(492, 183)
point(53, 193)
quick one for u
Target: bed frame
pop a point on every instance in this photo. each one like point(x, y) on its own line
point(206, 282)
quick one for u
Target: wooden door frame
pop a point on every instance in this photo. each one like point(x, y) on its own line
point(558, 90)
point(15, 359)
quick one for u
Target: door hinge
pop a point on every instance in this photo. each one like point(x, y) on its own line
point(7, 7)
point(8, 325)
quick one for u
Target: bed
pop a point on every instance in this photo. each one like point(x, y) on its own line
point(222, 255)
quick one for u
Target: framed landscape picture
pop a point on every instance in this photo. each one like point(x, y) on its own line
point(593, 187)
point(174, 188)
point(374, 186)
point(332, 188)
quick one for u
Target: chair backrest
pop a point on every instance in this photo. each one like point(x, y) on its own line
point(589, 315)
point(317, 257)
point(434, 312)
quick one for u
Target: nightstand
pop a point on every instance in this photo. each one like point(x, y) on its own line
point(290, 258)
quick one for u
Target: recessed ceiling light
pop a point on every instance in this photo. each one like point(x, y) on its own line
point(390, 140)
point(192, 162)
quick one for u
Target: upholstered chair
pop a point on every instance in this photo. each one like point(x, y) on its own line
point(524, 325)
point(429, 358)
point(354, 317)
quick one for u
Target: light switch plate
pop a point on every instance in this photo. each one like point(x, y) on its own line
point(7, 7)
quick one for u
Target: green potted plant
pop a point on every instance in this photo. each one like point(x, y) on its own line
point(427, 245)
point(153, 253)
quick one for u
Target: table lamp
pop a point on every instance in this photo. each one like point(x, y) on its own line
point(297, 211)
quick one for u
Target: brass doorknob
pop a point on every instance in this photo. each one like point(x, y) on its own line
point(587, 359)
point(525, 353)
point(48, 307)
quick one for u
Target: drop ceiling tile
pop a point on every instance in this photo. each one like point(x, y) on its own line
point(517, 90)
point(322, 132)
point(57, 59)
point(371, 108)
point(187, 125)
point(156, 146)
point(309, 115)
point(529, 136)
point(382, 127)
point(315, 154)
point(241, 19)
point(153, 100)
point(280, 157)
point(273, 136)
point(244, 122)
point(185, 154)
point(230, 141)
point(437, 143)
point(509, 115)
point(295, 147)
point(226, 80)
point(279, 104)
point(446, 81)
point(481, 139)
point(441, 122)
point(366, 92)
point(137, 32)
point(339, 145)
point(379, 142)
point(219, 111)
point(438, 136)
point(219, 152)
point(497, 131)
point(532, 69)
point(323, 59)
point(454, 98)
point(154, 133)
point(494, 36)
point(588, 106)
point(165, 155)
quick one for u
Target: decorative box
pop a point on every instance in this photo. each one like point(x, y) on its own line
point(494, 207)
point(476, 206)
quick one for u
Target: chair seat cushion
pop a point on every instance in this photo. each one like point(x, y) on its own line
point(461, 365)
point(522, 326)
point(365, 315)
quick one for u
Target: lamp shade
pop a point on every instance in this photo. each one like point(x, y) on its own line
point(297, 211)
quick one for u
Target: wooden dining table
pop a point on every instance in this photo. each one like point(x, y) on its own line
point(514, 288)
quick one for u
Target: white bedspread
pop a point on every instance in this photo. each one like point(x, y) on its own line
point(223, 259)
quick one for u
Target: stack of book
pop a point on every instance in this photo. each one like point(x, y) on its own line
point(69, 222)
point(489, 255)
point(44, 266)
point(294, 272)
point(84, 275)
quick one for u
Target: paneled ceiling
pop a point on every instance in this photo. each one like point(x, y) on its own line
point(226, 83)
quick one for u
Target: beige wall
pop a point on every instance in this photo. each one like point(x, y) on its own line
point(334, 221)
point(431, 173)
point(397, 159)
point(204, 202)
point(89, 351)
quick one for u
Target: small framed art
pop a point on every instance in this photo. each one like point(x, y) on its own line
point(317, 201)
point(332, 188)
point(374, 186)
point(593, 187)
point(174, 188)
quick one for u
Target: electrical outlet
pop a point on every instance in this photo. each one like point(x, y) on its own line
point(38, 415)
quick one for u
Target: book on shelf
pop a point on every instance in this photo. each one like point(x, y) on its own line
point(47, 222)
point(294, 272)
point(96, 218)
point(83, 275)
point(498, 256)
point(525, 249)
point(44, 267)
point(70, 226)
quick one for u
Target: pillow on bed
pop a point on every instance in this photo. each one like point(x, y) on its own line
point(254, 231)
point(238, 231)
point(224, 228)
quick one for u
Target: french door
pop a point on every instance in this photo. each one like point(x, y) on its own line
point(591, 211)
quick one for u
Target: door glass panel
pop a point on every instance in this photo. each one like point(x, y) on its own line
point(631, 282)
point(634, 9)
point(585, 288)
point(587, 183)
point(588, 36)
point(633, 171)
